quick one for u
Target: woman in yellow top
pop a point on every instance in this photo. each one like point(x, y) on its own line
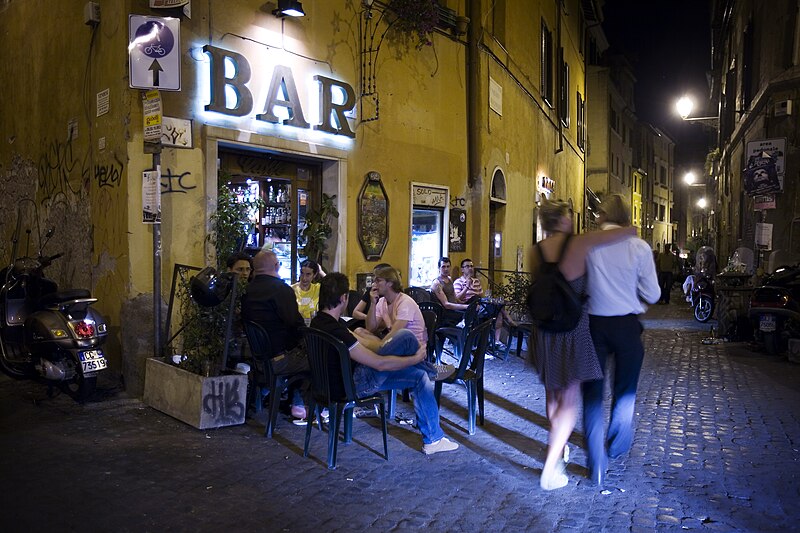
point(307, 289)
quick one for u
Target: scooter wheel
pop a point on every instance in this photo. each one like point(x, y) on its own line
point(772, 342)
point(80, 388)
point(704, 309)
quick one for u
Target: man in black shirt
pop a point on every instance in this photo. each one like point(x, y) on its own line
point(375, 372)
point(271, 303)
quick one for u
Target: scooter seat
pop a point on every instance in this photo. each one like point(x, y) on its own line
point(63, 296)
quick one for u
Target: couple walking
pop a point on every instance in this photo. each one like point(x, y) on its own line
point(616, 271)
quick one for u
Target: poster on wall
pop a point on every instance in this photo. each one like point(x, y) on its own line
point(766, 166)
point(458, 230)
point(151, 197)
point(760, 175)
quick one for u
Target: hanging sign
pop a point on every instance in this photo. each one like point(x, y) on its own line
point(428, 196)
point(764, 201)
point(154, 52)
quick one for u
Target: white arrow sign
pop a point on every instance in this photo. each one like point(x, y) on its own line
point(154, 52)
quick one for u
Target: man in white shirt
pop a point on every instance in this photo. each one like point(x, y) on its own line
point(621, 276)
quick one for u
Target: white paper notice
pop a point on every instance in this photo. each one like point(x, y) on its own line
point(151, 197)
point(102, 102)
point(764, 235)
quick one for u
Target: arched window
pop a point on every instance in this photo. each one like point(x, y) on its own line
point(498, 191)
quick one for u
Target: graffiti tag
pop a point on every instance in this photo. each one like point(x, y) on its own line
point(223, 403)
point(171, 182)
point(110, 174)
point(60, 172)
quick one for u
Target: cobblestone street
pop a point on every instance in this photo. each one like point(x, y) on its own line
point(716, 449)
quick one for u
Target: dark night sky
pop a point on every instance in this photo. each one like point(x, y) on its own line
point(669, 44)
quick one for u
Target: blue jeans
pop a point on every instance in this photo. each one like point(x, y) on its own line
point(620, 335)
point(417, 378)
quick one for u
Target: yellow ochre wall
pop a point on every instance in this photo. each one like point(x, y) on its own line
point(92, 192)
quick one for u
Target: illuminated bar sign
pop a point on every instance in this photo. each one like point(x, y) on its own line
point(282, 93)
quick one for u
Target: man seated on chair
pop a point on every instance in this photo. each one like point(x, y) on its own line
point(388, 371)
point(271, 303)
point(391, 310)
point(444, 291)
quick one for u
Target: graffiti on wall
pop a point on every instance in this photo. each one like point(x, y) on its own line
point(109, 174)
point(174, 182)
point(62, 173)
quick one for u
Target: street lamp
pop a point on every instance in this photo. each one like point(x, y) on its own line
point(689, 178)
point(701, 203)
point(685, 105)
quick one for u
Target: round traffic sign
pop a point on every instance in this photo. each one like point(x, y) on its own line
point(154, 39)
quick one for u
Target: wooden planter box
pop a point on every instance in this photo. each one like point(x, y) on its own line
point(202, 402)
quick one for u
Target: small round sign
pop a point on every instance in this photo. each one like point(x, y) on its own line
point(154, 39)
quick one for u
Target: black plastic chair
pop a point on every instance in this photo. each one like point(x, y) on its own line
point(418, 294)
point(435, 307)
point(470, 373)
point(520, 331)
point(455, 334)
point(261, 349)
point(332, 387)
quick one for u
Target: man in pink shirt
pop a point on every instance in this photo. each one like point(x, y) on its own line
point(393, 310)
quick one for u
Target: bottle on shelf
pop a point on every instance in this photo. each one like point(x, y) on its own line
point(271, 194)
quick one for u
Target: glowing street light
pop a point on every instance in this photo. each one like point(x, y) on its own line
point(689, 178)
point(685, 105)
point(701, 203)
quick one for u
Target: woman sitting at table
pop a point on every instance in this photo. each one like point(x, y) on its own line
point(306, 290)
point(362, 309)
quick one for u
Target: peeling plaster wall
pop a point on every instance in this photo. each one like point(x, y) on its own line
point(55, 150)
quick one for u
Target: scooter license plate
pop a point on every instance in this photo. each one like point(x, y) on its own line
point(93, 360)
point(767, 323)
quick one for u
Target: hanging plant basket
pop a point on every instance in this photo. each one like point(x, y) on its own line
point(416, 17)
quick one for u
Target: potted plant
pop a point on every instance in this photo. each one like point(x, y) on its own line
point(318, 229)
point(416, 17)
point(187, 385)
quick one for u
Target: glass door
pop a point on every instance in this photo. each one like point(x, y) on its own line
point(427, 239)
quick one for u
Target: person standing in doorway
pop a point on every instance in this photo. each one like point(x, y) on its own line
point(621, 276)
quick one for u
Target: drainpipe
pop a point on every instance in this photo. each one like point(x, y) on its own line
point(473, 90)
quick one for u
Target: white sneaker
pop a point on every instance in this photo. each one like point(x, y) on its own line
point(441, 445)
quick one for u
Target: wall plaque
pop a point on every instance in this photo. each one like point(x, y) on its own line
point(373, 217)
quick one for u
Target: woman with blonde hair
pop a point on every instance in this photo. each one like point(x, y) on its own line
point(565, 360)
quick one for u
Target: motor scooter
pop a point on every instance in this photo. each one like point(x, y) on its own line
point(701, 296)
point(775, 309)
point(47, 334)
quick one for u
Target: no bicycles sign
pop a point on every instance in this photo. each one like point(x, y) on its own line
point(154, 53)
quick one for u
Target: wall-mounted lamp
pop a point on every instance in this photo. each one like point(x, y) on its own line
point(684, 107)
point(289, 8)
